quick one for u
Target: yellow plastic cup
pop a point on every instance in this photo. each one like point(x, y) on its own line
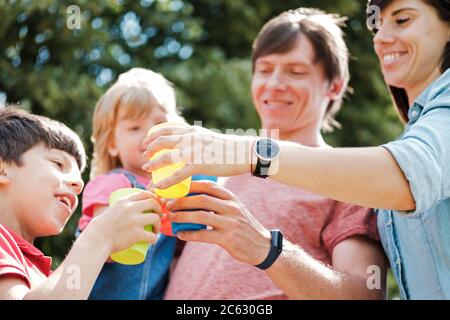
point(180, 189)
point(137, 252)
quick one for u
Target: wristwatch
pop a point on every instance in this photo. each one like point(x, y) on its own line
point(267, 153)
point(276, 247)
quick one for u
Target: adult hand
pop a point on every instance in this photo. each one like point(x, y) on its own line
point(203, 151)
point(233, 227)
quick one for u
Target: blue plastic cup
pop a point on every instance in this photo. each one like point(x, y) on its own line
point(181, 226)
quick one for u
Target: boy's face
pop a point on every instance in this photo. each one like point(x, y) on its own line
point(42, 193)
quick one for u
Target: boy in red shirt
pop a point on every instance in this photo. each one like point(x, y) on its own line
point(41, 161)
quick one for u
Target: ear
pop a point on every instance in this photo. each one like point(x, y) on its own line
point(335, 89)
point(4, 178)
point(112, 150)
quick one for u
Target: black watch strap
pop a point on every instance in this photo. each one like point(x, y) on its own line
point(267, 151)
point(262, 169)
point(276, 247)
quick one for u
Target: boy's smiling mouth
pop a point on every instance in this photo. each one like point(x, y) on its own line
point(67, 200)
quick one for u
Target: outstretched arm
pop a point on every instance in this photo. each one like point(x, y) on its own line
point(364, 176)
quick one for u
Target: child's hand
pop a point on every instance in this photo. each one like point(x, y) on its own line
point(122, 224)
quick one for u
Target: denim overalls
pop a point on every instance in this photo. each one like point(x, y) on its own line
point(145, 281)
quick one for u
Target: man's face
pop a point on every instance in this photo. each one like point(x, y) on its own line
point(42, 193)
point(289, 90)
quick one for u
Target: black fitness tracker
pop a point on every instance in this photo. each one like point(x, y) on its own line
point(276, 247)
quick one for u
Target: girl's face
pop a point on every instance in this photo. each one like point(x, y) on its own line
point(410, 44)
point(128, 136)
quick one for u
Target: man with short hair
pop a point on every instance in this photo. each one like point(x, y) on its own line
point(300, 73)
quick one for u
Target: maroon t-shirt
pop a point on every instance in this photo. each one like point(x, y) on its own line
point(316, 223)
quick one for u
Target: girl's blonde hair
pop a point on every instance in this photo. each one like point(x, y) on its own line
point(134, 94)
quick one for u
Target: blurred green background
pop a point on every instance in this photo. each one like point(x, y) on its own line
point(202, 46)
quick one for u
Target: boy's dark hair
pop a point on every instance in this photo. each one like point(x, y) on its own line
point(20, 131)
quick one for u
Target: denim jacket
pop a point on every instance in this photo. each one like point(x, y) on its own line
point(417, 243)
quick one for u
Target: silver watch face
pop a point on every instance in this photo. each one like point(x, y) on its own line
point(267, 149)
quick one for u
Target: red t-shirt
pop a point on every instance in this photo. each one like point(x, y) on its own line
point(19, 258)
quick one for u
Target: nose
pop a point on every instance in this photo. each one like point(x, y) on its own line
point(383, 36)
point(75, 183)
point(276, 80)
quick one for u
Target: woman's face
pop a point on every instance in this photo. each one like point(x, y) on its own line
point(410, 44)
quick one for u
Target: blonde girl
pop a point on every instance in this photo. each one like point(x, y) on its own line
point(138, 100)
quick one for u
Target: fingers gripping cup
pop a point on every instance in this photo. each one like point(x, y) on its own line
point(178, 226)
point(178, 190)
point(137, 252)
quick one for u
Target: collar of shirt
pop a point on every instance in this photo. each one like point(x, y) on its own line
point(430, 92)
point(43, 262)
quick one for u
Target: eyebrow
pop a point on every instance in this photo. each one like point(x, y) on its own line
point(290, 64)
point(401, 10)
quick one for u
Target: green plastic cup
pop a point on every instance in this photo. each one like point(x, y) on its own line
point(137, 252)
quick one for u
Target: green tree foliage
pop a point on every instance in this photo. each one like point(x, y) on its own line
point(202, 46)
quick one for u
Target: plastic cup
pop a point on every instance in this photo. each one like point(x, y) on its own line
point(184, 226)
point(137, 252)
point(178, 190)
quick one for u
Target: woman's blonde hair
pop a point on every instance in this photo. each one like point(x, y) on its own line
point(136, 93)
